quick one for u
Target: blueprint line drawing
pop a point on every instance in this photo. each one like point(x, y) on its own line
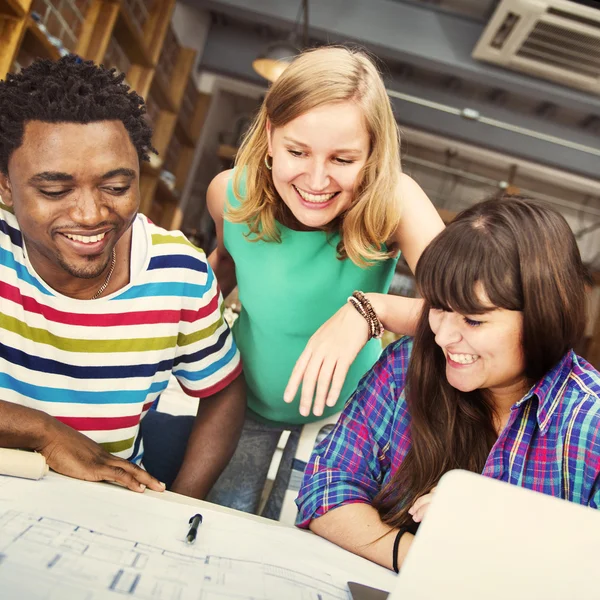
point(44, 558)
point(65, 539)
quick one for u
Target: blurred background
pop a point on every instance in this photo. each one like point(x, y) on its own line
point(491, 96)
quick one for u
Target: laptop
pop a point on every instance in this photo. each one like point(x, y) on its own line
point(358, 591)
point(484, 538)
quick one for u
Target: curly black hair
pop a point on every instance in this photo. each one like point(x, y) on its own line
point(69, 90)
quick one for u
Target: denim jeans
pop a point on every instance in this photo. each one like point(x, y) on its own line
point(241, 484)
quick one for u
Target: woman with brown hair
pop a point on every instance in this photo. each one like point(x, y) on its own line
point(492, 386)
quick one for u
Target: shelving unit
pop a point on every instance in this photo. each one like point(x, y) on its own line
point(136, 38)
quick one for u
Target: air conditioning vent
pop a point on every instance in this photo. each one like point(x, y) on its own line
point(554, 39)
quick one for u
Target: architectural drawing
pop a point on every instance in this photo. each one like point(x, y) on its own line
point(43, 558)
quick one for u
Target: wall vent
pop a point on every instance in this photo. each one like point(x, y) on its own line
point(553, 39)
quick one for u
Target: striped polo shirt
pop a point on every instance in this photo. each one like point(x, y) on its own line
point(98, 365)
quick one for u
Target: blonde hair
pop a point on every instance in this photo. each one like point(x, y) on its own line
point(314, 78)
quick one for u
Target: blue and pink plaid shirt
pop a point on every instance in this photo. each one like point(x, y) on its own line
point(551, 443)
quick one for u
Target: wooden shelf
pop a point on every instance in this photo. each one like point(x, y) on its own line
point(161, 95)
point(12, 31)
point(227, 152)
point(147, 169)
point(96, 33)
point(182, 131)
point(447, 215)
point(190, 122)
point(37, 44)
point(165, 194)
point(155, 29)
point(14, 8)
point(132, 41)
point(139, 43)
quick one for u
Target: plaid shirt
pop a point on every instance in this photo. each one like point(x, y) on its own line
point(551, 443)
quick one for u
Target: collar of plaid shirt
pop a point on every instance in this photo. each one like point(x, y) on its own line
point(551, 388)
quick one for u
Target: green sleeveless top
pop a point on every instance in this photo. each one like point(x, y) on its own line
point(287, 291)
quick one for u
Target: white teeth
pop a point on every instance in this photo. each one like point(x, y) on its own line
point(463, 359)
point(86, 239)
point(318, 198)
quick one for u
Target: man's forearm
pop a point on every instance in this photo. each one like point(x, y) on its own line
point(398, 314)
point(358, 528)
point(224, 270)
point(22, 427)
point(213, 440)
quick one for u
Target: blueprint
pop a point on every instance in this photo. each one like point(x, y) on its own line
point(62, 539)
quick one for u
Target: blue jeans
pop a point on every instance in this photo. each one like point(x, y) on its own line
point(241, 484)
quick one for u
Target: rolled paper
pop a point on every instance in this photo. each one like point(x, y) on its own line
point(20, 463)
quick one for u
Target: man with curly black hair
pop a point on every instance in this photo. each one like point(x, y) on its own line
point(98, 306)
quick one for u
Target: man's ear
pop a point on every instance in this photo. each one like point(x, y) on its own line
point(5, 190)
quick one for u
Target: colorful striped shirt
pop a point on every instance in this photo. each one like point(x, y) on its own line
point(551, 443)
point(98, 365)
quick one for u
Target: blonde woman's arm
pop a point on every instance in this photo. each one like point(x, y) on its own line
point(420, 223)
point(323, 365)
point(220, 260)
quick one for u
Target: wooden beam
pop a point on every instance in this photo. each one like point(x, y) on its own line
point(227, 152)
point(592, 350)
point(12, 31)
point(36, 42)
point(161, 95)
point(132, 42)
point(176, 219)
point(447, 215)
point(97, 29)
point(200, 112)
point(168, 215)
point(148, 183)
point(15, 8)
point(163, 130)
point(156, 26)
point(181, 72)
point(182, 169)
point(140, 78)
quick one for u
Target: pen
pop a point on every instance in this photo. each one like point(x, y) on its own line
point(195, 521)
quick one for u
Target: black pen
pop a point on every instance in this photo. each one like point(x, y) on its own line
point(195, 522)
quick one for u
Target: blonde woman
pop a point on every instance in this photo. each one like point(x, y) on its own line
point(315, 209)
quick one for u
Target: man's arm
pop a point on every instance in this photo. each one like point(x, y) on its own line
point(213, 440)
point(66, 450)
point(220, 260)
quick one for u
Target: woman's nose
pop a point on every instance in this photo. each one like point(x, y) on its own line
point(447, 330)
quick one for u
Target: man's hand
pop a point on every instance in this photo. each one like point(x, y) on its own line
point(71, 453)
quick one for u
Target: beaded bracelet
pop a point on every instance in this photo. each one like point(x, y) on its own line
point(365, 309)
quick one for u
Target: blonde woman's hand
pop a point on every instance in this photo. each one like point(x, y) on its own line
point(324, 364)
point(419, 509)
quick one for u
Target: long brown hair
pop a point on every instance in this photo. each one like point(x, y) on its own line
point(315, 78)
point(526, 258)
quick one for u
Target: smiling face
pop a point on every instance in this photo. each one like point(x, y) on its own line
point(317, 159)
point(75, 192)
point(483, 352)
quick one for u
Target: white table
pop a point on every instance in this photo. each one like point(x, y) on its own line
point(137, 540)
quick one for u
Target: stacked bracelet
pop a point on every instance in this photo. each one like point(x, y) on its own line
point(364, 307)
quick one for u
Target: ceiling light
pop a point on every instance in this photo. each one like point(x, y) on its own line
point(278, 55)
point(273, 62)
